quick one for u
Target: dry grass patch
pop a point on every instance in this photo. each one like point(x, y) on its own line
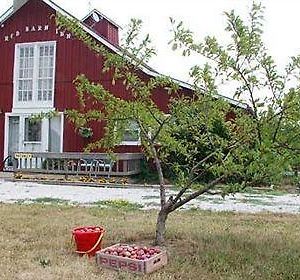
point(35, 243)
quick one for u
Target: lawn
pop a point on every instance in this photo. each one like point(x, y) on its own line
point(35, 243)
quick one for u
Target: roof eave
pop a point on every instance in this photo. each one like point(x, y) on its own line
point(7, 14)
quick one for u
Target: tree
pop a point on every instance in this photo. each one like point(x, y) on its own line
point(202, 134)
point(254, 77)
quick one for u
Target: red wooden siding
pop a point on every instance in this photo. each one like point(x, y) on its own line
point(105, 29)
point(72, 58)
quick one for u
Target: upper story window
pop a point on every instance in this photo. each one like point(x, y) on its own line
point(34, 74)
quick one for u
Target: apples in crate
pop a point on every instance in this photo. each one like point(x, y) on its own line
point(132, 252)
point(133, 258)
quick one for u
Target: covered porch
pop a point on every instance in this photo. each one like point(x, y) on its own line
point(85, 164)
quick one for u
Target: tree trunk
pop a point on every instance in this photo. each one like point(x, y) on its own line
point(161, 179)
point(164, 210)
point(161, 227)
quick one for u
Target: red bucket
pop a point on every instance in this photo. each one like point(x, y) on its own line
point(88, 239)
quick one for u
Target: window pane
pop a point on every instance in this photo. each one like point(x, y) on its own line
point(51, 61)
point(46, 50)
point(33, 130)
point(20, 85)
point(41, 51)
point(132, 133)
point(30, 85)
point(31, 63)
point(39, 95)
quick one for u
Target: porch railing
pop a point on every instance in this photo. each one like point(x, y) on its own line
point(93, 164)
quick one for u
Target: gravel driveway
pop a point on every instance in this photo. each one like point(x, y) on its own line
point(11, 192)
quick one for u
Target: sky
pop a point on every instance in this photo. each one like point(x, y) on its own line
point(204, 17)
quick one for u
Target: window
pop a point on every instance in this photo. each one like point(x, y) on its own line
point(33, 131)
point(132, 133)
point(34, 73)
point(25, 73)
point(45, 76)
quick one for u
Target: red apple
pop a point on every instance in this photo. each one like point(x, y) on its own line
point(119, 249)
point(127, 254)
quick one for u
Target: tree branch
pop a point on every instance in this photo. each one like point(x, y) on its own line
point(197, 193)
point(192, 179)
point(252, 101)
point(159, 129)
point(277, 126)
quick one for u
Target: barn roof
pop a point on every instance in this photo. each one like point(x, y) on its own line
point(145, 68)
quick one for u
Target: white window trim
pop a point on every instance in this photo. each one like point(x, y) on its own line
point(130, 143)
point(35, 103)
point(6, 119)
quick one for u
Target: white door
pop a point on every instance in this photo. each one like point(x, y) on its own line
point(13, 139)
point(34, 135)
point(14, 134)
point(55, 137)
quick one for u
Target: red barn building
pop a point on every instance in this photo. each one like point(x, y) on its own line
point(38, 65)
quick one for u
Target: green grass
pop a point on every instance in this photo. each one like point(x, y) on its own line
point(118, 204)
point(35, 243)
point(50, 200)
point(255, 201)
point(213, 200)
point(276, 192)
point(152, 204)
point(150, 197)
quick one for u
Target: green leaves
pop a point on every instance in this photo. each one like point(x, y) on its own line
point(203, 138)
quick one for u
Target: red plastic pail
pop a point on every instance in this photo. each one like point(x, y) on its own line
point(88, 239)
